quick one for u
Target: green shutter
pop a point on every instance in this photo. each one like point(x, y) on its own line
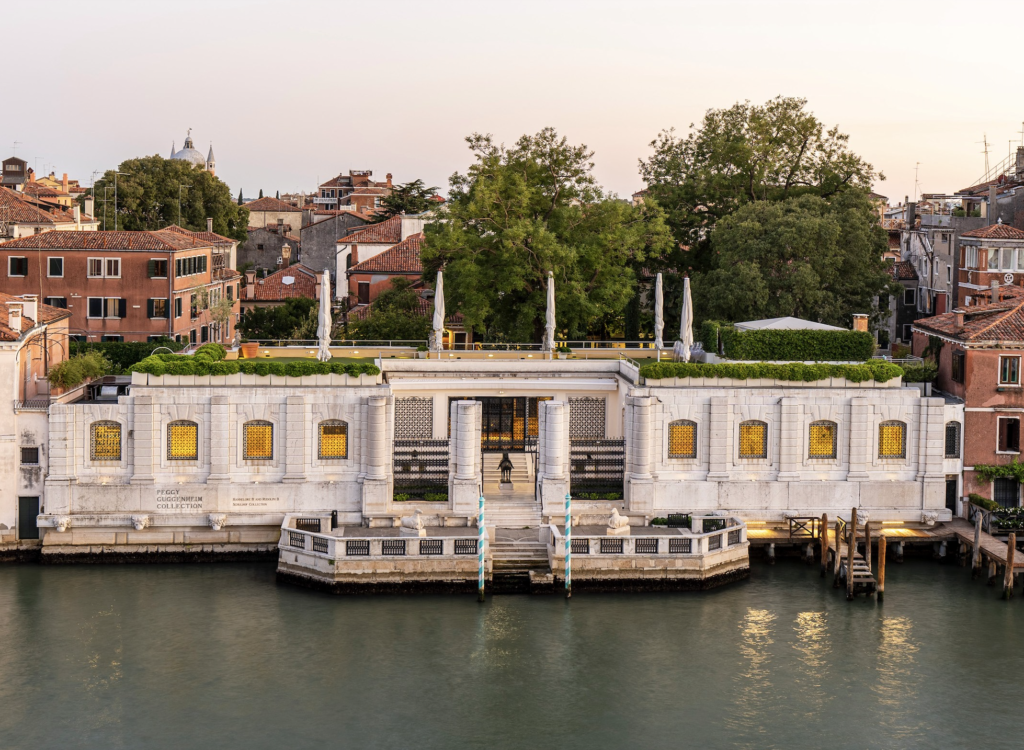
point(149, 307)
point(122, 308)
point(151, 268)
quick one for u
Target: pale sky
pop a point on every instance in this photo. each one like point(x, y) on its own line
point(290, 93)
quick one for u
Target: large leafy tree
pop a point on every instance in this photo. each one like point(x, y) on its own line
point(394, 315)
point(148, 190)
point(523, 211)
point(806, 256)
point(411, 198)
point(745, 153)
point(266, 323)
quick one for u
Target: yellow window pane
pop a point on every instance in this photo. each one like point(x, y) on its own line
point(183, 441)
point(892, 440)
point(822, 440)
point(259, 441)
point(334, 440)
point(754, 440)
point(106, 441)
point(682, 440)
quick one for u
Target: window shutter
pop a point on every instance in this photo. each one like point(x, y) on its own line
point(177, 267)
point(122, 308)
point(149, 307)
point(95, 307)
point(151, 269)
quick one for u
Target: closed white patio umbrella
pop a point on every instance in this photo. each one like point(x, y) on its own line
point(549, 318)
point(682, 348)
point(439, 314)
point(659, 315)
point(323, 329)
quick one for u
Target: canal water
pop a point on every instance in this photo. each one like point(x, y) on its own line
point(221, 656)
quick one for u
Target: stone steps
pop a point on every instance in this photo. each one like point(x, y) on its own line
point(523, 555)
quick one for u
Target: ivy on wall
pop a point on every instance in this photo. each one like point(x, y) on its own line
point(989, 472)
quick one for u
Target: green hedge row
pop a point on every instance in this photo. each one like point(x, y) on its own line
point(171, 364)
point(805, 346)
point(926, 373)
point(878, 371)
point(709, 335)
point(122, 354)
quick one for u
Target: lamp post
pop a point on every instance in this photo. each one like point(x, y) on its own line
point(124, 174)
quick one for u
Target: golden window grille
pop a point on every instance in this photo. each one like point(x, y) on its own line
point(183, 441)
point(822, 442)
point(682, 439)
point(892, 440)
point(259, 441)
point(106, 441)
point(753, 440)
point(333, 440)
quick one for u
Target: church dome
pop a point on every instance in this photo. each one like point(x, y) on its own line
point(190, 154)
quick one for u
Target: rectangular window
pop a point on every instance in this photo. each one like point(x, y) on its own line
point(55, 268)
point(204, 334)
point(1009, 435)
point(822, 440)
point(95, 268)
point(993, 260)
point(958, 368)
point(30, 456)
point(682, 439)
point(228, 289)
point(1007, 264)
point(95, 307)
point(909, 297)
point(333, 440)
point(949, 273)
point(116, 307)
point(60, 302)
point(892, 440)
point(364, 292)
point(908, 334)
point(111, 337)
point(970, 257)
point(952, 440)
point(753, 440)
point(177, 307)
point(17, 266)
point(106, 441)
point(193, 307)
point(183, 441)
point(157, 308)
point(192, 336)
point(1009, 371)
point(258, 439)
point(157, 268)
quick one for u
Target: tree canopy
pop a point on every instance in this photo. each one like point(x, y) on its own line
point(148, 191)
point(808, 257)
point(411, 198)
point(275, 322)
point(394, 315)
point(745, 153)
point(522, 211)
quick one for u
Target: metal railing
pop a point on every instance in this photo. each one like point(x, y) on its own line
point(35, 404)
point(733, 534)
point(804, 527)
point(596, 466)
point(421, 466)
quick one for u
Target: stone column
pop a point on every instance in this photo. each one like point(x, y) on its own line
point(295, 442)
point(464, 450)
point(720, 442)
point(147, 446)
point(553, 445)
point(376, 487)
point(220, 440)
point(790, 453)
point(861, 439)
point(639, 483)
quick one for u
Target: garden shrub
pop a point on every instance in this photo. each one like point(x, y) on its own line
point(879, 371)
point(205, 364)
point(76, 370)
point(802, 346)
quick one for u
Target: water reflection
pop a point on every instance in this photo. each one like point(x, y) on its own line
point(754, 694)
point(815, 649)
point(898, 677)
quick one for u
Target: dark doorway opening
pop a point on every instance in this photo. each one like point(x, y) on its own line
point(28, 509)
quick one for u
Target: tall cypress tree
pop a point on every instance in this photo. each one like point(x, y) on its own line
point(240, 196)
point(261, 192)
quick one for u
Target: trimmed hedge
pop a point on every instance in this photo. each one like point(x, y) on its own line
point(805, 346)
point(926, 373)
point(122, 354)
point(709, 335)
point(212, 350)
point(878, 371)
point(200, 364)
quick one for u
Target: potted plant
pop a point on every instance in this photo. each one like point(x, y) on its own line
point(250, 349)
point(421, 351)
point(563, 351)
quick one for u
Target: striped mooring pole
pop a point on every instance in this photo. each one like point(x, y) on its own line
point(568, 545)
point(481, 544)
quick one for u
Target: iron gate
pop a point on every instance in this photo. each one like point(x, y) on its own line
point(596, 466)
point(421, 467)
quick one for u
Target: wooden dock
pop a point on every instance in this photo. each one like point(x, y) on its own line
point(990, 548)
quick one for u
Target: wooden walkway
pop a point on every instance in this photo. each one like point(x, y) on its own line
point(991, 548)
point(863, 578)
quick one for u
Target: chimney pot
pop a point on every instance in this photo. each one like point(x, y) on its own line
point(14, 316)
point(994, 294)
point(389, 179)
point(209, 224)
point(958, 317)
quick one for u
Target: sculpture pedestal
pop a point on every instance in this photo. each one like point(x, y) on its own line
point(621, 531)
point(506, 488)
point(411, 532)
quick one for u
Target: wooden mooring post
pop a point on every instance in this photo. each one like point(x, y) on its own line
point(851, 547)
point(837, 561)
point(867, 544)
point(824, 543)
point(1011, 549)
point(880, 585)
point(976, 552)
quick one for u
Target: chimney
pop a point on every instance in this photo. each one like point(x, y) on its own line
point(88, 205)
point(14, 316)
point(250, 284)
point(286, 254)
point(64, 182)
point(993, 208)
point(911, 214)
point(958, 317)
point(860, 322)
point(994, 295)
point(209, 224)
point(30, 308)
point(389, 179)
point(78, 217)
point(280, 227)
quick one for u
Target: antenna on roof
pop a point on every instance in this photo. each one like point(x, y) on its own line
point(16, 144)
point(984, 140)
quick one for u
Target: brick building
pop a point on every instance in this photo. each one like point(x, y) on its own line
point(368, 279)
point(288, 283)
point(355, 191)
point(980, 363)
point(372, 240)
point(128, 286)
point(994, 253)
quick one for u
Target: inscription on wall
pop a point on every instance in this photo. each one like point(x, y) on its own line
point(176, 500)
point(254, 502)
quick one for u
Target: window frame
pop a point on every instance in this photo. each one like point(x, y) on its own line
point(763, 456)
point(181, 423)
point(63, 302)
point(909, 297)
point(957, 439)
point(21, 456)
point(902, 455)
point(958, 367)
point(253, 423)
point(1014, 361)
point(10, 272)
point(49, 260)
point(834, 428)
point(999, 432)
point(320, 439)
point(684, 424)
point(88, 308)
point(93, 426)
point(89, 270)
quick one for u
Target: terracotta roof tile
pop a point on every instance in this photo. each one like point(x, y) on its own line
point(1001, 321)
point(16, 208)
point(273, 288)
point(46, 314)
point(996, 232)
point(387, 232)
point(82, 240)
point(270, 204)
point(903, 270)
point(401, 258)
point(211, 237)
